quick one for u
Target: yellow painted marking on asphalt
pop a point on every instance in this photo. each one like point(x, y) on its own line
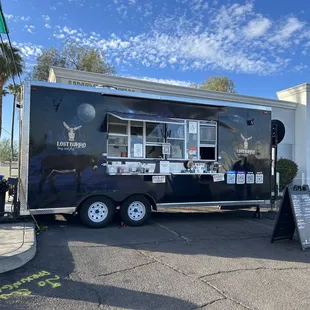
point(9, 290)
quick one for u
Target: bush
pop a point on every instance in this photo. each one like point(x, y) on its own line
point(287, 170)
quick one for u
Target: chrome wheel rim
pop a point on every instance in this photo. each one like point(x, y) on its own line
point(136, 211)
point(97, 212)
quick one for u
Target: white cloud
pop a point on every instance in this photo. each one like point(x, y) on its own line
point(29, 28)
point(53, 8)
point(257, 27)
point(59, 36)
point(132, 1)
point(292, 25)
point(16, 18)
point(78, 2)
point(46, 18)
point(25, 18)
point(28, 49)
point(197, 5)
point(8, 16)
point(230, 38)
point(68, 30)
point(47, 26)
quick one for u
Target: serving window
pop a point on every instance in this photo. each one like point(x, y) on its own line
point(152, 137)
point(117, 137)
point(207, 141)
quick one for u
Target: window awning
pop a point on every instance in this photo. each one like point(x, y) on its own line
point(145, 118)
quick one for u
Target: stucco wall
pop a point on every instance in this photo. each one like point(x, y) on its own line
point(287, 117)
point(301, 150)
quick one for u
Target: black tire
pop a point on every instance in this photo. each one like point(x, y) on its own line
point(103, 207)
point(141, 210)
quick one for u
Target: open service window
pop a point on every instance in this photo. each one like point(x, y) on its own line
point(146, 136)
point(201, 140)
point(176, 140)
point(207, 141)
point(118, 133)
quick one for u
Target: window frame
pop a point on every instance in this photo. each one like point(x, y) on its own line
point(214, 145)
point(127, 135)
point(182, 122)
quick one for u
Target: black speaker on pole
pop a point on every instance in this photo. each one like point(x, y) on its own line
point(277, 132)
point(277, 135)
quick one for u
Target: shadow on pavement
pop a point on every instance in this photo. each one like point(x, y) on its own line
point(228, 234)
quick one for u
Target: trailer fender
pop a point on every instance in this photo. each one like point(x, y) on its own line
point(80, 203)
point(152, 201)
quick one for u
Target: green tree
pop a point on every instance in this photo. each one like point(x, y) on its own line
point(90, 59)
point(14, 90)
point(49, 57)
point(71, 56)
point(5, 150)
point(8, 68)
point(218, 83)
point(288, 170)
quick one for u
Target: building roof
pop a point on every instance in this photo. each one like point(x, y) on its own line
point(62, 75)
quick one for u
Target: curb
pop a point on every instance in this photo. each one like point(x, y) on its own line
point(23, 254)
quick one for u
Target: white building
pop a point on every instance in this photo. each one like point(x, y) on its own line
point(292, 108)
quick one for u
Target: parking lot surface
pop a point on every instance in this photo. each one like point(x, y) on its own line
point(203, 260)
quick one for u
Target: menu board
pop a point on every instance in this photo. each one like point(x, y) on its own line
point(294, 213)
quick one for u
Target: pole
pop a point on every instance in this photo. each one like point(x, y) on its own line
point(274, 144)
point(12, 135)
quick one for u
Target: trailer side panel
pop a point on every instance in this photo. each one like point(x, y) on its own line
point(68, 151)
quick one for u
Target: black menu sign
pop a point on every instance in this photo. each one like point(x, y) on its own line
point(294, 213)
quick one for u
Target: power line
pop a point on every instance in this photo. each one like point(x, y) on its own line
point(6, 131)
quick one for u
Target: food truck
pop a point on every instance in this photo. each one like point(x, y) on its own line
point(94, 151)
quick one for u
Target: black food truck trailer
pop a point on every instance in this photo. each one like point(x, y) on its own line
point(92, 151)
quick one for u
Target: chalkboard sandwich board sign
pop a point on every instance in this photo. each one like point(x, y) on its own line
point(294, 213)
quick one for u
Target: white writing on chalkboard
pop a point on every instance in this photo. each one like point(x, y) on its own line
point(301, 209)
point(294, 214)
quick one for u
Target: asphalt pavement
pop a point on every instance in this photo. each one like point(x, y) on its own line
point(212, 260)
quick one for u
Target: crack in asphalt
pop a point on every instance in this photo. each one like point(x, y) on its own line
point(210, 303)
point(187, 275)
point(160, 262)
point(100, 302)
point(253, 269)
point(189, 240)
point(227, 297)
point(123, 270)
point(171, 231)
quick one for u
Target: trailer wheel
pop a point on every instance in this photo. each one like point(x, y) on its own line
point(135, 210)
point(97, 211)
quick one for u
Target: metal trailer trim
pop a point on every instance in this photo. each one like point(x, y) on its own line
point(68, 210)
point(24, 151)
point(213, 203)
point(113, 92)
point(151, 118)
point(71, 210)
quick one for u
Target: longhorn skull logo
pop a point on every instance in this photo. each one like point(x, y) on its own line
point(245, 141)
point(71, 131)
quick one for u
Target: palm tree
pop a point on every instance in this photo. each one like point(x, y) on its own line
point(14, 90)
point(8, 68)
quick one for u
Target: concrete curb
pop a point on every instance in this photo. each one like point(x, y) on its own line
point(15, 257)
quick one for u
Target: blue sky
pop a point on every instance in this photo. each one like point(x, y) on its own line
point(263, 46)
